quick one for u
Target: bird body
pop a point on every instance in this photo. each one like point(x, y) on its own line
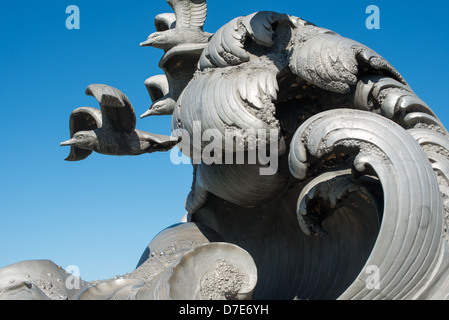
point(163, 103)
point(115, 132)
point(182, 38)
point(169, 39)
point(111, 142)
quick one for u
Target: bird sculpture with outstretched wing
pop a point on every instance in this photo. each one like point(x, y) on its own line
point(182, 38)
point(189, 13)
point(190, 17)
point(111, 130)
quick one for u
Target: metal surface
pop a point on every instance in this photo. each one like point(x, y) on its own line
point(356, 207)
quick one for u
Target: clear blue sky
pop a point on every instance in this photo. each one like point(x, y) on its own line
point(101, 213)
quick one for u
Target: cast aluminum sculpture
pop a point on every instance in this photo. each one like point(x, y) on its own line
point(355, 207)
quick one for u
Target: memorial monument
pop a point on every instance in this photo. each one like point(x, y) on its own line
point(318, 172)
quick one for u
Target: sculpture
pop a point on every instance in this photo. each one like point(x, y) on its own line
point(360, 184)
point(112, 130)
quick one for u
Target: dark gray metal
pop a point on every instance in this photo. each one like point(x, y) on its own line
point(188, 28)
point(114, 133)
point(357, 207)
point(182, 38)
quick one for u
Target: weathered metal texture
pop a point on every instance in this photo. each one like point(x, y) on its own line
point(39, 280)
point(412, 221)
point(358, 206)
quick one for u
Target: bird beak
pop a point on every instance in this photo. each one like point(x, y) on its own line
point(147, 43)
point(70, 142)
point(147, 114)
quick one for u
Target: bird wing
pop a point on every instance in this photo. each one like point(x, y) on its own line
point(157, 86)
point(189, 13)
point(83, 119)
point(165, 21)
point(333, 62)
point(117, 111)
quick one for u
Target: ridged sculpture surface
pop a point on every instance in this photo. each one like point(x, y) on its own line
point(318, 174)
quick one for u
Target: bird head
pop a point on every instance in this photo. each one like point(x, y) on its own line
point(164, 106)
point(157, 40)
point(87, 140)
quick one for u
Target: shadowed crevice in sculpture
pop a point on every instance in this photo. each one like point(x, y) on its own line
point(411, 224)
point(306, 267)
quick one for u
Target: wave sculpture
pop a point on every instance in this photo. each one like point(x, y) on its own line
point(355, 208)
